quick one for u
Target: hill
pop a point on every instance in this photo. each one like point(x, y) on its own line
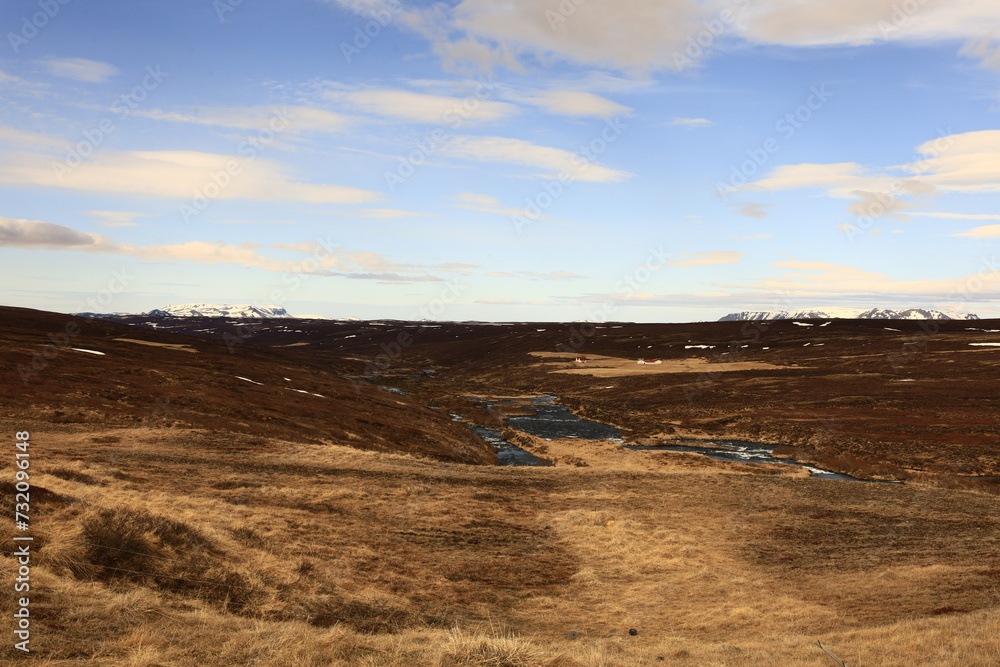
point(111, 375)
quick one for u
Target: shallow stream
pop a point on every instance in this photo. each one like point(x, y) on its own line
point(553, 421)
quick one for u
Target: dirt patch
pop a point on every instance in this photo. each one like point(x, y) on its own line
point(601, 366)
point(173, 346)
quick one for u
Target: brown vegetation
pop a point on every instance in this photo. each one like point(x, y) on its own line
point(244, 528)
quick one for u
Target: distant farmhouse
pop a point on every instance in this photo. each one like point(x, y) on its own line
point(649, 361)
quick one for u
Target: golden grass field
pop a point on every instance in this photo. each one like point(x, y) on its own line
point(178, 547)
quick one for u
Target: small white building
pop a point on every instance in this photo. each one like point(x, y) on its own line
point(648, 361)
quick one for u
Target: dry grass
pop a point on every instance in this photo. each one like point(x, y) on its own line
point(604, 366)
point(174, 346)
point(184, 517)
point(174, 552)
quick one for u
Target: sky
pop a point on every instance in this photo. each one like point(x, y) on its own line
point(524, 160)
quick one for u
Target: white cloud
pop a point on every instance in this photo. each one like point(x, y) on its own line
point(423, 108)
point(956, 216)
point(534, 275)
point(648, 35)
point(552, 275)
point(486, 204)
point(820, 282)
point(553, 161)
point(984, 232)
point(576, 103)
point(117, 218)
point(252, 222)
point(20, 233)
point(827, 271)
point(708, 258)
point(37, 140)
point(852, 22)
point(477, 199)
point(79, 69)
point(967, 162)
point(293, 119)
point(334, 261)
point(627, 34)
point(691, 122)
point(16, 86)
point(512, 302)
point(175, 175)
point(383, 213)
point(374, 213)
point(879, 205)
point(986, 49)
point(751, 209)
point(841, 177)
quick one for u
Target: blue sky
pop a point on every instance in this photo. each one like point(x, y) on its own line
point(644, 160)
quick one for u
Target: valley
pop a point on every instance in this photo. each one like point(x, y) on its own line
point(309, 491)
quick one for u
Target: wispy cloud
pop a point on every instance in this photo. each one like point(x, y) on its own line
point(485, 34)
point(533, 275)
point(690, 122)
point(485, 204)
point(854, 22)
point(815, 281)
point(117, 218)
point(553, 161)
point(333, 261)
point(299, 118)
point(374, 213)
point(956, 216)
point(708, 258)
point(415, 107)
point(575, 103)
point(35, 140)
point(175, 175)
point(244, 221)
point(648, 34)
point(751, 209)
point(984, 232)
point(967, 162)
point(79, 69)
point(512, 302)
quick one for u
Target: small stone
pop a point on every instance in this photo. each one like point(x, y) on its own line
point(633, 632)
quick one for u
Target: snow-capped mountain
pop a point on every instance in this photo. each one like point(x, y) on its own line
point(243, 311)
point(915, 314)
point(850, 313)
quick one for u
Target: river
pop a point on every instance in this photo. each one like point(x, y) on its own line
point(553, 421)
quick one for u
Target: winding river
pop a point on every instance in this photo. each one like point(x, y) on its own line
point(553, 421)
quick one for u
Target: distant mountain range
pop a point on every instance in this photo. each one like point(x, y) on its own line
point(243, 311)
point(849, 313)
point(236, 312)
